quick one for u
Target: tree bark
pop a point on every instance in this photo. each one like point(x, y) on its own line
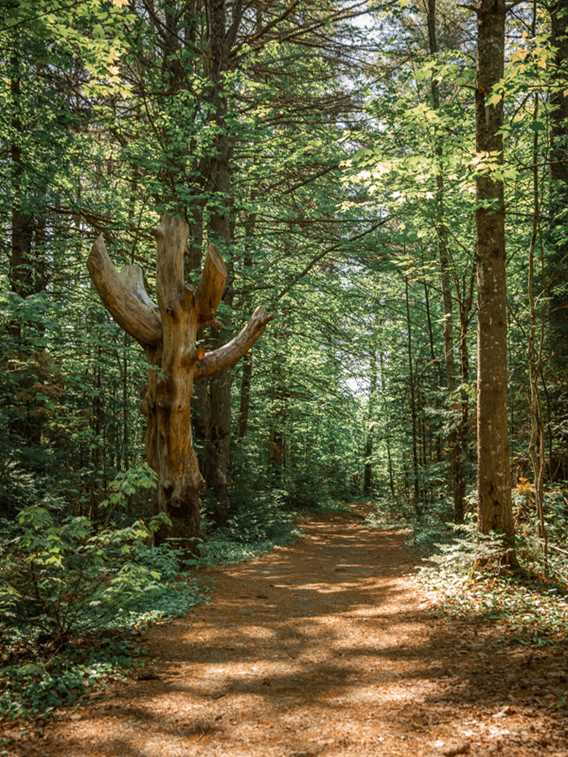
point(457, 474)
point(168, 334)
point(556, 238)
point(217, 456)
point(493, 462)
point(387, 430)
point(368, 468)
point(463, 432)
point(246, 378)
point(413, 408)
point(171, 389)
point(558, 260)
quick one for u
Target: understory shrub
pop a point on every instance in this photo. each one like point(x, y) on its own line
point(256, 527)
point(68, 594)
point(530, 607)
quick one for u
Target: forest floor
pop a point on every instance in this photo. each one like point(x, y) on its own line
point(324, 647)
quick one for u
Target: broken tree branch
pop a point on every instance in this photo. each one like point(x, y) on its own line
point(211, 285)
point(124, 296)
point(226, 356)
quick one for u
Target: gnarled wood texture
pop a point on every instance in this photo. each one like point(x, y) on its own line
point(211, 285)
point(168, 334)
point(225, 357)
point(124, 296)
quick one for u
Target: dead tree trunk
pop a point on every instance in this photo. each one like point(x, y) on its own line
point(493, 463)
point(168, 334)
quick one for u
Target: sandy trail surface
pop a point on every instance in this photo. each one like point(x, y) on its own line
point(324, 647)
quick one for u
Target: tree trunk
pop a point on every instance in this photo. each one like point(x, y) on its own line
point(218, 450)
point(218, 443)
point(169, 336)
point(462, 438)
point(493, 471)
point(246, 378)
point(368, 469)
point(244, 401)
point(169, 444)
point(558, 260)
point(413, 409)
point(457, 474)
point(387, 431)
point(535, 342)
point(557, 242)
point(278, 411)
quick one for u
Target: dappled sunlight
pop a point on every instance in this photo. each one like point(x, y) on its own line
point(325, 646)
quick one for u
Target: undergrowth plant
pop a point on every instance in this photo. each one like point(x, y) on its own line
point(70, 593)
point(465, 577)
point(257, 526)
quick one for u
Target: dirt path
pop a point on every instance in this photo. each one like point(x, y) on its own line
point(324, 647)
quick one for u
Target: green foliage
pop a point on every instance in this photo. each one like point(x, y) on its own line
point(255, 528)
point(65, 577)
point(387, 514)
point(36, 688)
point(64, 586)
point(465, 578)
point(125, 484)
point(531, 544)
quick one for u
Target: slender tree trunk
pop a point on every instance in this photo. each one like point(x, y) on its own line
point(413, 410)
point(463, 435)
point(244, 401)
point(558, 261)
point(557, 242)
point(387, 431)
point(246, 378)
point(218, 445)
point(535, 342)
point(278, 447)
point(437, 374)
point(457, 474)
point(493, 460)
point(125, 407)
point(368, 468)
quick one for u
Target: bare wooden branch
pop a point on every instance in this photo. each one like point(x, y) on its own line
point(132, 276)
point(211, 285)
point(226, 356)
point(124, 296)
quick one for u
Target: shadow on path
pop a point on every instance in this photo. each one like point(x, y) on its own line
point(324, 647)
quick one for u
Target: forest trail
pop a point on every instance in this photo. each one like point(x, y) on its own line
point(324, 647)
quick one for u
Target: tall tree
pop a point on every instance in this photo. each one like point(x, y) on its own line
point(557, 236)
point(455, 448)
point(493, 456)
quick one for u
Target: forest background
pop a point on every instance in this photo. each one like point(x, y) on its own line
point(328, 150)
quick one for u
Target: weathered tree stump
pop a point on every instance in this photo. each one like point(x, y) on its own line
point(168, 333)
